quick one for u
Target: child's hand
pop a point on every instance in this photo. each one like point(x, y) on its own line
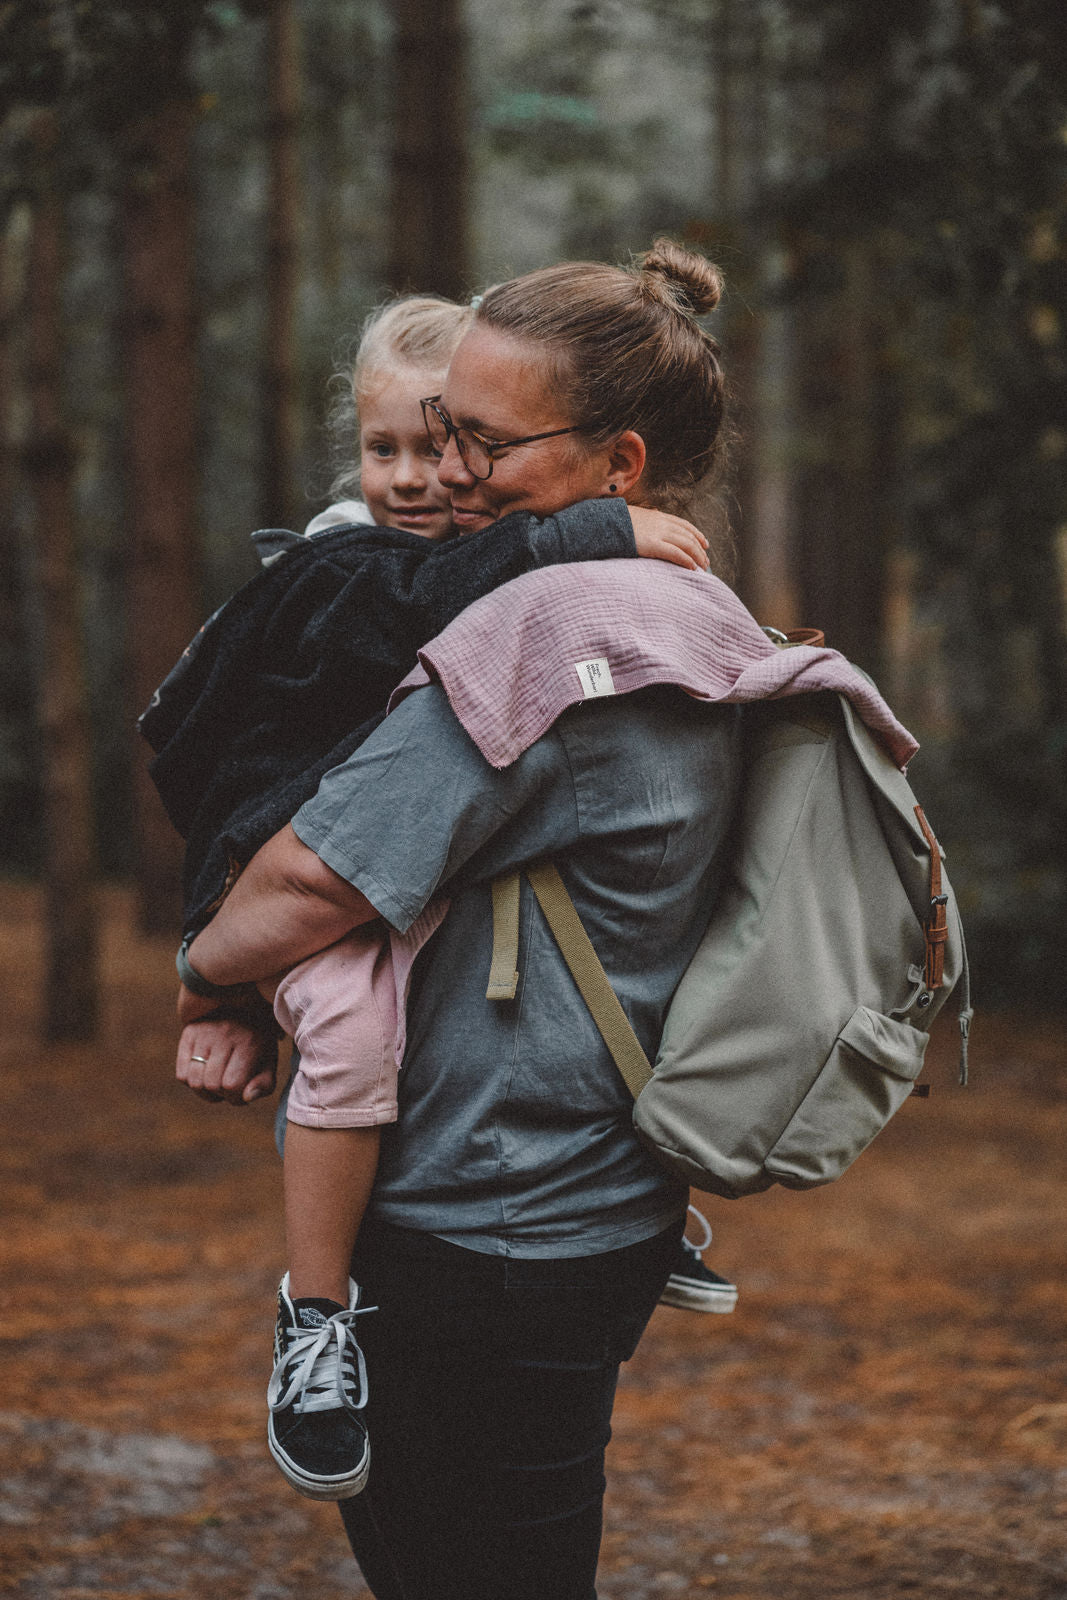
point(668, 538)
point(227, 1060)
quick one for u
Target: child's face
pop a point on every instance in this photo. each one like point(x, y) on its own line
point(398, 465)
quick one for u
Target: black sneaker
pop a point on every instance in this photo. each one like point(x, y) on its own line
point(692, 1285)
point(316, 1393)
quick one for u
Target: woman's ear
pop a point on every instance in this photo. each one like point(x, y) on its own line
point(626, 462)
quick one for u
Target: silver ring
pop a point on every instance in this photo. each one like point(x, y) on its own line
point(199, 1058)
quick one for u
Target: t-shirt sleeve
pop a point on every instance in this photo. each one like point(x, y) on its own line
point(417, 808)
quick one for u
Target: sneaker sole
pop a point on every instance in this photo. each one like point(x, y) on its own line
point(688, 1296)
point(313, 1485)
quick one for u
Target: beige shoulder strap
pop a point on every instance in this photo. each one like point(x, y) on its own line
point(581, 958)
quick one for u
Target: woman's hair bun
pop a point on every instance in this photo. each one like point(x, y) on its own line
point(693, 283)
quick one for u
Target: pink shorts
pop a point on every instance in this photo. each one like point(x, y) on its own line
point(344, 1009)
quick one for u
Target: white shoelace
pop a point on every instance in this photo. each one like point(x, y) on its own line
point(698, 1249)
point(322, 1368)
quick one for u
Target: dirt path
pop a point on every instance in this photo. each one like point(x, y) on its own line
point(885, 1414)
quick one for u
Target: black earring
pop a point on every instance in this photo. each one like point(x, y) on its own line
point(612, 487)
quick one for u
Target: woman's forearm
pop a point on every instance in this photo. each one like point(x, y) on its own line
point(285, 905)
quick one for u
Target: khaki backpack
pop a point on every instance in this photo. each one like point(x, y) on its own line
point(801, 1023)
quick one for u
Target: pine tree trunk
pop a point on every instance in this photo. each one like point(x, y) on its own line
point(768, 583)
point(869, 449)
point(281, 400)
point(844, 403)
point(18, 799)
point(71, 989)
point(163, 607)
point(755, 352)
point(758, 350)
point(846, 417)
point(10, 621)
point(428, 206)
point(7, 476)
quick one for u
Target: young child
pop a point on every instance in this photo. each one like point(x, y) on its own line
point(341, 1007)
point(282, 684)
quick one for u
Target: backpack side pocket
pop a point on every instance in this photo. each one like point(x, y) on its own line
point(867, 1076)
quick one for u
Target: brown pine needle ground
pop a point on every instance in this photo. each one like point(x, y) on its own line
point(884, 1415)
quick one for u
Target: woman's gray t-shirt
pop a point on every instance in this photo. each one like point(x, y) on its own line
point(515, 1134)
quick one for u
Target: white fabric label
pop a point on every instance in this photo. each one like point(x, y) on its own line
point(594, 677)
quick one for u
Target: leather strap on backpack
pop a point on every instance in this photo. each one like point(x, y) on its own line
point(812, 636)
point(935, 923)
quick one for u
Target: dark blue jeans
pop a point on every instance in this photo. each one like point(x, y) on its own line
point(491, 1387)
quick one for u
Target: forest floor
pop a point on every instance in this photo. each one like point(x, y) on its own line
point(884, 1415)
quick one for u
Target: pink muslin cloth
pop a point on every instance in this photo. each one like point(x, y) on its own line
point(517, 658)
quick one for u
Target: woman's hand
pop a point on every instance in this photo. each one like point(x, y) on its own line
point(227, 1059)
point(667, 538)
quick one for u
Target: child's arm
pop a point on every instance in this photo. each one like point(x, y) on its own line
point(461, 571)
point(588, 530)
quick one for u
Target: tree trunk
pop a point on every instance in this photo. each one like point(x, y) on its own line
point(756, 352)
point(281, 399)
point(71, 988)
point(8, 314)
point(869, 448)
point(846, 422)
point(428, 206)
point(844, 404)
point(163, 606)
point(767, 580)
point(11, 630)
point(20, 778)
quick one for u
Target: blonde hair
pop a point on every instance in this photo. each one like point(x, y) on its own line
point(625, 349)
point(412, 331)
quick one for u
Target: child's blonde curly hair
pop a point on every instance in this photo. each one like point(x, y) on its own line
point(411, 331)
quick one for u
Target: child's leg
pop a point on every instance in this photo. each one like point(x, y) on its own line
point(328, 1178)
point(340, 1007)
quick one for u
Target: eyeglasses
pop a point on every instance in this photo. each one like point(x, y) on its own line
point(476, 452)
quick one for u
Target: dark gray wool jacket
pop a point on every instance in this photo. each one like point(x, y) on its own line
point(288, 677)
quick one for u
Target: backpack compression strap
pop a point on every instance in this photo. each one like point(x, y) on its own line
point(577, 951)
point(935, 923)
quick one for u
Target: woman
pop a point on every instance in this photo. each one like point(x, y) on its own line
point(519, 1236)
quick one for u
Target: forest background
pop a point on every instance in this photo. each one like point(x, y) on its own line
point(201, 202)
